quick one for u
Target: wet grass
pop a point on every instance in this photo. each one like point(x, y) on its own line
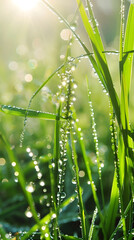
point(104, 218)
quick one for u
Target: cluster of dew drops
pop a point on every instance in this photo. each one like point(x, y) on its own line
point(31, 185)
point(67, 97)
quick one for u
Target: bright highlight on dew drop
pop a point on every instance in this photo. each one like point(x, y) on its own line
point(26, 5)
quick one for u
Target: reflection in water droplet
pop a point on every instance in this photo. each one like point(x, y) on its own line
point(13, 164)
point(74, 181)
point(30, 187)
point(53, 216)
point(43, 228)
point(28, 214)
point(2, 161)
point(63, 195)
point(16, 174)
point(42, 183)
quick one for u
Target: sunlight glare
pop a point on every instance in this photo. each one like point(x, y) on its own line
point(26, 5)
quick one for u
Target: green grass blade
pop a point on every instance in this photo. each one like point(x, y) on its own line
point(114, 198)
point(92, 224)
point(54, 175)
point(88, 163)
point(113, 208)
point(89, 174)
point(128, 46)
point(66, 237)
point(21, 179)
point(92, 31)
point(100, 59)
point(120, 222)
point(30, 113)
point(94, 24)
point(93, 124)
point(46, 220)
point(79, 191)
point(2, 233)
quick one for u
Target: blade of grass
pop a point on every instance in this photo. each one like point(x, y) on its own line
point(66, 237)
point(21, 179)
point(100, 58)
point(92, 224)
point(88, 170)
point(2, 233)
point(104, 75)
point(46, 220)
point(126, 163)
point(93, 124)
point(87, 162)
point(54, 175)
point(79, 191)
point(30, 113)
point(120, 222)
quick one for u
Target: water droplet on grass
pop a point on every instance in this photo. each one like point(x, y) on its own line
point(74, 181)
point(28, 213)
point(63, 195)
point(30, 187)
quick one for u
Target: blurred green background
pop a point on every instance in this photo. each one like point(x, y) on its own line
point(31, 48)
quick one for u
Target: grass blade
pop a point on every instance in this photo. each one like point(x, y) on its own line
point(79, 191)
point(92, 224)
point(21, 179)
point(2, 233)
point(45, 220)
point(30, 113)
point(66, 237)
point(100, 59)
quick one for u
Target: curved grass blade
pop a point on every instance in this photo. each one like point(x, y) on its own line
point(21, 179)
point(128, 46)
point(100, 58)
point(104, 75)
point(30, 113)
point(46, 220)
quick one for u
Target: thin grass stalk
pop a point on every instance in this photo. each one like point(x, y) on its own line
point(47, 218)
point(54, 174)
point(102, 77)
point(120, 222)
point(88, 163)
point(117, 169)
point(21, 180)
point(92, 224)
point(79, 190)
point(96, 145)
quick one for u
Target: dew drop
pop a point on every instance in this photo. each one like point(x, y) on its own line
point(28, 213)
point(63, 195)
point(74, 181)
point(30, 187)
point(42, 183)
point(13, 164)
